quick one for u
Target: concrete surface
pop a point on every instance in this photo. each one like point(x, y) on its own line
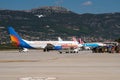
point(38, 65)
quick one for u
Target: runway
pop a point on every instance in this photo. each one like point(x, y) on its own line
point(38, 65)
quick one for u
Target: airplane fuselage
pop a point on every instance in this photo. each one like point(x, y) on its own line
point(43, 44)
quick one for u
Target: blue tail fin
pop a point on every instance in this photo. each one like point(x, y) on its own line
point(13, 33)
point(15, 38)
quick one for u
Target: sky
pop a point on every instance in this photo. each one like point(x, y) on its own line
point(77, 6)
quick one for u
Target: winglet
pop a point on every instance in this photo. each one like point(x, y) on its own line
point(59, 39)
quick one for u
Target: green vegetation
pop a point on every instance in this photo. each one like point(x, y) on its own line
point(59, 22)
point(118, 40)
point(7, 47)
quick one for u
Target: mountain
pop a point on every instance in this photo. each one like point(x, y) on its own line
point(52, 21)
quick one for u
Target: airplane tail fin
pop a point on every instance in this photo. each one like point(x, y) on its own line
point(74, 39)
point(15, 38)
point(80, 41)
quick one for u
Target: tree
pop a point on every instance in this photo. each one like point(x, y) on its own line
point(118, 40)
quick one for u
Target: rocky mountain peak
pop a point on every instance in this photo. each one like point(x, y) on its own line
point(55, 9)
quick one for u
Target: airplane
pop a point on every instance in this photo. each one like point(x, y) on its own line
point(91, 45)
point(86, 46)
point(75, 40)
point(24, 45)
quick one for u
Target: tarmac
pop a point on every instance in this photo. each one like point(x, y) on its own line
point(39, 65)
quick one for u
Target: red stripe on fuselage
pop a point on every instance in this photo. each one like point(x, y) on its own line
point(69, 46)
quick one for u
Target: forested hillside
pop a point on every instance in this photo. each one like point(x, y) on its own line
point(51, 21)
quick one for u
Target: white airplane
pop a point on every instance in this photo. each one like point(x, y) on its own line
point(45, 45)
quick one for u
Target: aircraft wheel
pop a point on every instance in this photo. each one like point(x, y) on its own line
point(60, 52)
point(45, 50)
point(66, 52)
